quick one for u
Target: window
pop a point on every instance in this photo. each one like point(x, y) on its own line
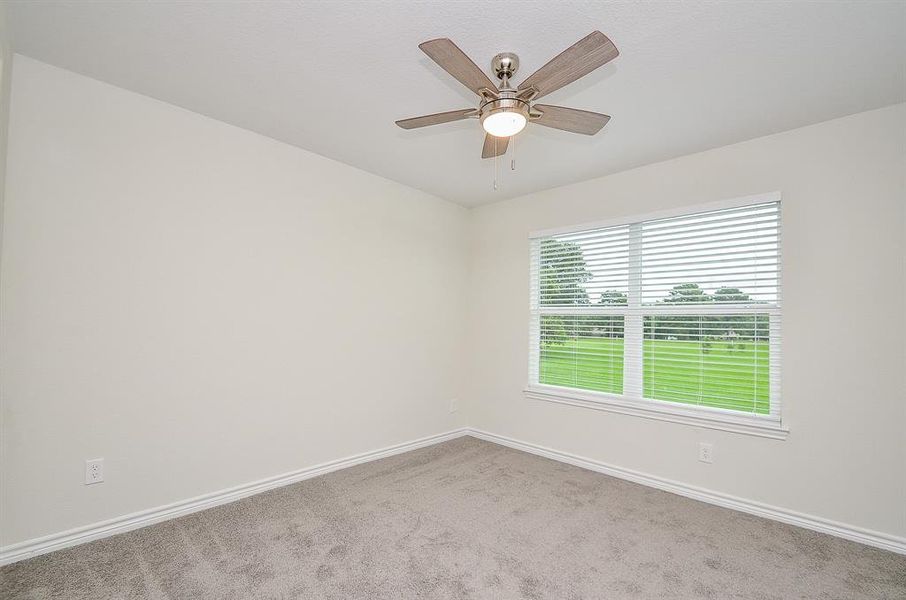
point(674, 317)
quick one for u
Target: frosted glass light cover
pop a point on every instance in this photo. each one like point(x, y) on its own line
point(504, 124)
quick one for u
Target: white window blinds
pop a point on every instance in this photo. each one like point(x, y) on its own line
point(683, 310)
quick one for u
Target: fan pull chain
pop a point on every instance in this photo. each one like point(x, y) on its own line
point(495, 164)
point(513, 160)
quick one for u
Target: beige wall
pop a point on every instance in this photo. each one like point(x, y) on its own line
point(5, 77)
point(6, 57)
point(204, 307)
point(844, 275)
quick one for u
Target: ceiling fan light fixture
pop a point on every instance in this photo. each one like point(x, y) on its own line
point(504, 123)
point(506, 116)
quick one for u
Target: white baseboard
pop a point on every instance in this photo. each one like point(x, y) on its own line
point(849, 532)
point(95, 531)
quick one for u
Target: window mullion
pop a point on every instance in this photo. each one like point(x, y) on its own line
point(632, 332)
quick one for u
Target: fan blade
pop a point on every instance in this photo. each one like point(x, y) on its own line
point(436, 119)
point(455, 62)
point(494, 146)
point(570, 119)
point(577, 61)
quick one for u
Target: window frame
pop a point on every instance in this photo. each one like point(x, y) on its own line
point(770, 425)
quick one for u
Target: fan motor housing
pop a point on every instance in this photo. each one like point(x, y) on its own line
point(505, 65)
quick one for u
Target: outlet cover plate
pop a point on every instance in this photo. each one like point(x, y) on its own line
point(94, 471)
point(706, 452)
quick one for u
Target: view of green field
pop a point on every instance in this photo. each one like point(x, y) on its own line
point(719, 374)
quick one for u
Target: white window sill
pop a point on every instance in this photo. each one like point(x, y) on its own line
point(711, 418)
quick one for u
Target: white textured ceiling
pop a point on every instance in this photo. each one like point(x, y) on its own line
point(332, 77)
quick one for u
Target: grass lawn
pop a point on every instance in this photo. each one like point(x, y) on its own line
point(679, 371)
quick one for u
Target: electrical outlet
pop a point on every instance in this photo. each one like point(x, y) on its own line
point(706, 452)
point(94, 471)
point(454, 405)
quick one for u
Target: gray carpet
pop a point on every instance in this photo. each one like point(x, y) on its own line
point(464, 519)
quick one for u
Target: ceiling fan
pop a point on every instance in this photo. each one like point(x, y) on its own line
point(504, 110)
